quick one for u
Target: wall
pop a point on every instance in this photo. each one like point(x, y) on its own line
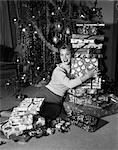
point(110, 52)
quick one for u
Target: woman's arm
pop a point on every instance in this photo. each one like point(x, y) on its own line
point(71, 83)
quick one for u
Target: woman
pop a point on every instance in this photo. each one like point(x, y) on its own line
point(60, 82)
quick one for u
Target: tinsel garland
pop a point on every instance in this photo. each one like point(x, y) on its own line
point(51, 47)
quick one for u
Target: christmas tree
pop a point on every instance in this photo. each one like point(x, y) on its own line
point(42, 27)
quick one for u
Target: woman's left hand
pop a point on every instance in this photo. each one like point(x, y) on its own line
point(96, 72)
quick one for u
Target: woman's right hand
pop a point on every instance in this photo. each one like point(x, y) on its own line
point(92, 73)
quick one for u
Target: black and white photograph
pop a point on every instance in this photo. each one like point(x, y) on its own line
point(59, 74)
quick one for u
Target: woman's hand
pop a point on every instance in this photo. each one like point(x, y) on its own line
point(93, 73)
point(90, 74)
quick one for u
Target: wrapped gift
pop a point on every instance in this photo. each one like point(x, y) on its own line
point(97, 102)
point(31, 104)
point(21, 117)
point(113, 97)
point(8, 129)
point(22, 120)
point(87, 45)
point(82, 41)
point(81, 100)
point(80, 118)
point(92, 37)
point(91, 29)
point(81, 65)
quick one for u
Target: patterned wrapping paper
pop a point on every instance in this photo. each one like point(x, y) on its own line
point(87, 45)
point(79, 67)
point(91, 29)
point(82, 100)
point(87, 41)
point(80, 118)
point(22, 117)
point(88, 37)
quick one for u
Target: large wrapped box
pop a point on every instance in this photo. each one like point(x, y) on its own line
point(81, 65)
point(80, 118)
point(21, 118)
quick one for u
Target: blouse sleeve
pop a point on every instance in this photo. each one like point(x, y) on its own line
point(62, 77)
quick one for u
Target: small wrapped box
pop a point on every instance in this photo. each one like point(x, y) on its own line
point(89, 45)
point(91, 29)
point(92, 37)
point(80, 100)
point(82, 40)
point(113, 98)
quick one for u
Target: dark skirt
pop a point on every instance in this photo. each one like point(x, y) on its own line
point(52, 105)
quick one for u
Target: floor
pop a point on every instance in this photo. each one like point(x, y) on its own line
point(105, 138)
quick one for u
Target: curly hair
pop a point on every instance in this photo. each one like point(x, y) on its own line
point(68, 48)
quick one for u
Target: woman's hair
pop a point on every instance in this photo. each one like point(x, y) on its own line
point(65, 46)
point(68, 48)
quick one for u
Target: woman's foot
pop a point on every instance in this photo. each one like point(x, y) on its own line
point(48, 123)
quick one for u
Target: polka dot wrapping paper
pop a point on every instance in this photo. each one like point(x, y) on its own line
point(81, 65)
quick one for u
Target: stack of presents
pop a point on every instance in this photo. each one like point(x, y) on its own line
point(88, 48)
point(88, 102)
point(84, 103)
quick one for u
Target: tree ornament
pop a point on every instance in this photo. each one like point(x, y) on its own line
point(38, 68)
point(15, 20)
point(67, 31)
point(8, 83)
point(29, 25)
point(35, 32)
point(52, 13)
point(33, 17)
point(58, 26)
point(58, 8)
point(23, 30)
point(55, 39)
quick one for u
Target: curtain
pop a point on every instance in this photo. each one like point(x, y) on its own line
point(5, 25)
point(116, 38)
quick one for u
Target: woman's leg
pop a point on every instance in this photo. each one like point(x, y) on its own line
point(50, 111)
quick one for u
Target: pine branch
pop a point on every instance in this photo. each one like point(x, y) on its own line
point(51, 1)
point(40, 34)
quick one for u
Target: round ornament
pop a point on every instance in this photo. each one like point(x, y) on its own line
point(58, 26)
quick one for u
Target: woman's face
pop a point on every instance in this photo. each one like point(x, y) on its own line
point(65, 56)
